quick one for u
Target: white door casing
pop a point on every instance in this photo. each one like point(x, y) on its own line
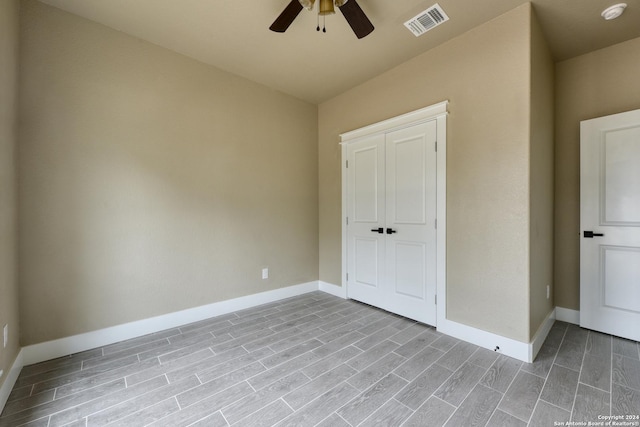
point(610, 209)
point(393, 185)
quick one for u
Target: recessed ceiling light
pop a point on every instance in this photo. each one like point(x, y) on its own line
point(614, 11)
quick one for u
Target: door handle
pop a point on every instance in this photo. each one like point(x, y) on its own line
point(378, 230)
point(391, 231)
point(591, 235)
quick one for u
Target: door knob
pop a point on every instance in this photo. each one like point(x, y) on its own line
point(378, 230)
point(591, 234)
point(391, 231)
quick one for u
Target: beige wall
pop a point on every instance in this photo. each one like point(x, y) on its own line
point(596, 84)
point(485, 76)
point(8, 213)
point(151, 183)
point(541, 180)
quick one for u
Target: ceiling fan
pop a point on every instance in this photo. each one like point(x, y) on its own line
point(351, 10)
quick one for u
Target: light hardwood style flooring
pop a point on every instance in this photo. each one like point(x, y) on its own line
point(318, 360)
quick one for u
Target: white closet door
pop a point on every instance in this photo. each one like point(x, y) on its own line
point(391, 233)
point(365, 238)
point(410, 278)
point(610, 224)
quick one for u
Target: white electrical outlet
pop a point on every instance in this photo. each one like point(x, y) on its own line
point(5, 334)
point(265, 273)
point(1, 373)
point(548, 291)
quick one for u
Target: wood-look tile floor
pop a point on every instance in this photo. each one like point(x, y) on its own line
point(320, 360)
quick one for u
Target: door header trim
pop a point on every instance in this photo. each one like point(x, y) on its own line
point(424, 114)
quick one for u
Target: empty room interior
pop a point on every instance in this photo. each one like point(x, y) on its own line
point(319, 212)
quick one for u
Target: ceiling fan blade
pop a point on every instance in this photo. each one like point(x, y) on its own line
point(287, 16)
point(356, 18)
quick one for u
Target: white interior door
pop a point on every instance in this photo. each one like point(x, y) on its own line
point(365, 236)
point(610, 224)
point(391, 231)
point(410, 216)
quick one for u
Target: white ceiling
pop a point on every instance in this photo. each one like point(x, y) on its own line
point(234, 36)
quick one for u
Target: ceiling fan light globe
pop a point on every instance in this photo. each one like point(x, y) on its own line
point(307, 4)
point(340, 3)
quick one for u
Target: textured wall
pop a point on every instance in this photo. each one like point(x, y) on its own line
point(485, 74)
point(8, 202)
point(541, 180)
point(150, 182)
point(597, 84)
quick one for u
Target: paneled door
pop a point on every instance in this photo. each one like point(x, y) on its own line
point(391, 236)
point(610, 224)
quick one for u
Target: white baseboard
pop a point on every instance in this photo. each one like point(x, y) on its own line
point(541, 334)
point(568, 315)
point(10, 380)
point(65, 346)
point(335, 290)
point(507, 346)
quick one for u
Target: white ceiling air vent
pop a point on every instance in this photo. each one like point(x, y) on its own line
point(426, 20)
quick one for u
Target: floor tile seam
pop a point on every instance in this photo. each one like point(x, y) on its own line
point(377, 360)
point(51, 379)
point(220, 329)
point(546, 379)
point(569, 367)
point(289, 348)
point(23, 398)
point(209, 396)
point(575, 397)
point(553, 404)
point(539, 375)
point(117, 357)
point(536, 407)
point(611, 382)
point(455, 408)
point(281, 398)
point(56, 411)
point(463, 362)
point(102, 409)
point(379, 407)
point(51, 368)
point(45, 415)
point(504, 394)
point(132, 347)
point(221, 414)
point(340, 416)
point(413, 411)
point(84, 378)
point(596, 387)
point(221, 410)
point(506, 411)
point(417, 375)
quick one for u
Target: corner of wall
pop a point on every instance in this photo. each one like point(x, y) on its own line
point(541, 178)
point(9, 42)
